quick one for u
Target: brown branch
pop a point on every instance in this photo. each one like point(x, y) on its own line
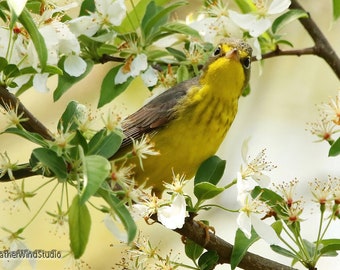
point(322, 47)
point(109, 58)
point(9, 102)
point(279, 52)
point(197, 232)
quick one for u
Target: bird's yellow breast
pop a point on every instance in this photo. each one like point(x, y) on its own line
point(203, 118)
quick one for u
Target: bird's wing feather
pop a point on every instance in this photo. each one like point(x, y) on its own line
point(155, 114)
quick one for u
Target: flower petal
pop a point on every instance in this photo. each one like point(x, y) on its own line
point(244, 21)
point(84, 25)
point(244, 224)
point(150, 77)
point(111, 225)
point(259, 26)
point(265, 231)
point(278, 6)
point(116, 12)
point(139, 63)
point(121, 76)
point(173, 216)
point(17, 6)
point(74, 65)
point(40, 82)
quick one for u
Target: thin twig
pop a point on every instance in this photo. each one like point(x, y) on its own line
point(279, 52)
point(322, 47)
point(9, 101)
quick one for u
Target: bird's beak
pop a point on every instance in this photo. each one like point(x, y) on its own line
point(233, 55)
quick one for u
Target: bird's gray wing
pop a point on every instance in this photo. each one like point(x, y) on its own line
point(155, 114)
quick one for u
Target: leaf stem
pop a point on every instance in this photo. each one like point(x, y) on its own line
point(41, 207)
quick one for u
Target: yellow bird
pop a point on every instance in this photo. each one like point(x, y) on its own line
point(188, 122)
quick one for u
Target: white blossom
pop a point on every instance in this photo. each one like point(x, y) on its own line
point(17, 6)
point(13, 243)
point(74, 65)
point(173, 216)
point(40, 82)
point(149, 77)
point(258, 22)
point(115, 226)
point(249, 217)
point(107, 13)
point(132, 68)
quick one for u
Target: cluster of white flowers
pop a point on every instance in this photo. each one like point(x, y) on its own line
point(252, 209)
point(171, 212)
point(61, 40)
point(329, 121)
point(219, 21)
point(61, 37)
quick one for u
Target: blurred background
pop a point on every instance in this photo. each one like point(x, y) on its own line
point(283, 97)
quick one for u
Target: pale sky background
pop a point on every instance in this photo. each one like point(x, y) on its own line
point(274, 115)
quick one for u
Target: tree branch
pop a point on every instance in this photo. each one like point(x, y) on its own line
point(279, 52)
point(322, 47)
point(9, 102)
point(197, 232)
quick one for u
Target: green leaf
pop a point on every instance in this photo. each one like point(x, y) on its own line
point(77, 140)
point(246, 6)
point(270, 198)
point(95, 170)
point(37, 39)
point(65, 81)
point(107, 49)
point(182, 73)
point(310, 247)
point(52, 70)
point(79, 221)
point(282, 251)
point(211, 170)
point(208, 260)
point(87, 6)
point(180, 28)
point(277, 226)
point(132, 20)
point(179, 55)
point(246, 91)
point(155, 17)
point(336, 9)
point(329, 247)
point(286, 18)
point(205, 191)
point(150, 11)
point(285, 42)
point(109, 90)
point(3, 63)
point(335, 149)
point(193, 250)
point(66, 122)
point(32, 137)
point(50, 159)
point(155, 54)
point(34, 6)
point(104, 144)
point(241, 245)
point(11, 71)
point(122, 212)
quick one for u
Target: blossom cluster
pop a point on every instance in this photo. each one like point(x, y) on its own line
point(329, 120)
point(69, 41)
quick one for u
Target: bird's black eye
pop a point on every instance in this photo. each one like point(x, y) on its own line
point(246, 62)
point(217, 51)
